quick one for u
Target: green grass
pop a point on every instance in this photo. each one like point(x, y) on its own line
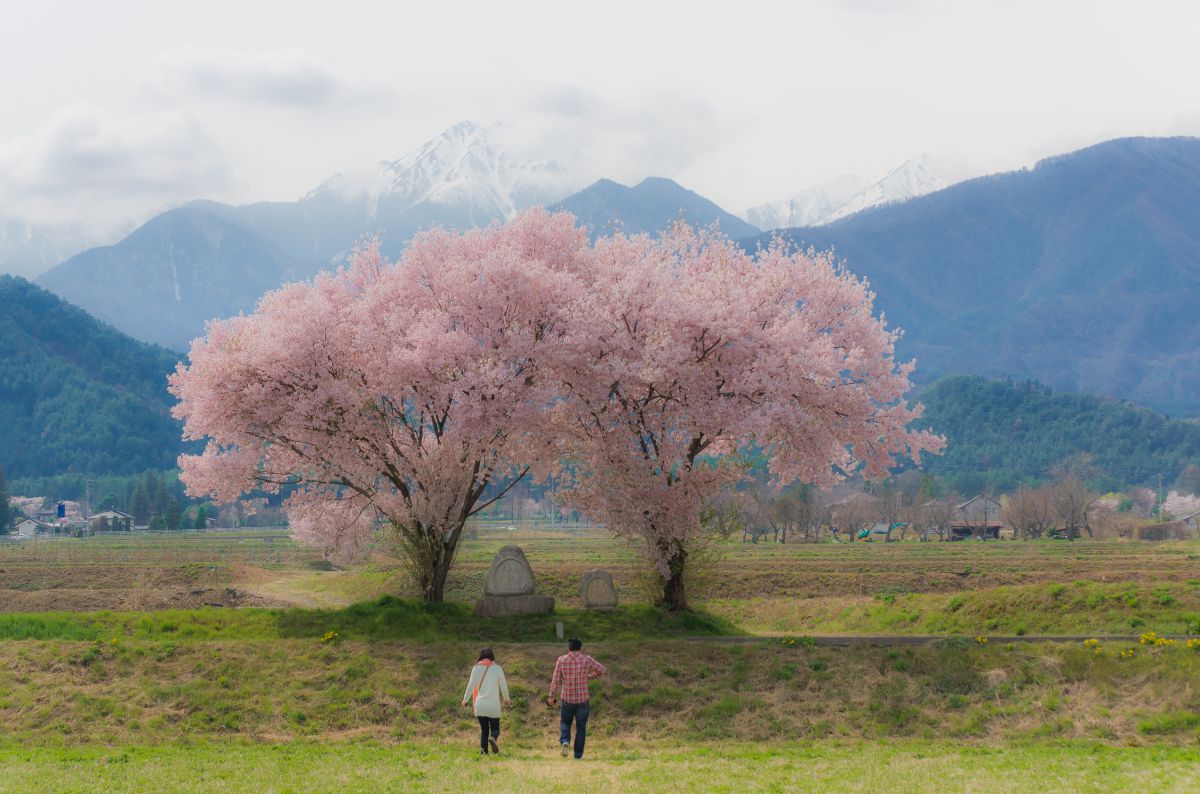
point(825, 766)
point(1080, 607)
point(142, 691)
point(387, 618)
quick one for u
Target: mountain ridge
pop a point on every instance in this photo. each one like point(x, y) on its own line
point(1079, 272)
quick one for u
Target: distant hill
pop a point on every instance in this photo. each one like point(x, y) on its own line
point(164, 281)
point(650, 206)
point(1003, 432)
point(1082, 273)
point(76, 395)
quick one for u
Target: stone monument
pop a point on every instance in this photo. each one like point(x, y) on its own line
point(508, 589)
point(597, 590)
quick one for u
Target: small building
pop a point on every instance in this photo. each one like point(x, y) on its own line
point(978, 517)
point(28, 527)
point(1169, 530)
point(110, 521)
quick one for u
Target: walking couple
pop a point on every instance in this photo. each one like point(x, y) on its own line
point(572, 672)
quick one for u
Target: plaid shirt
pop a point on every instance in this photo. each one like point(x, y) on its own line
point(572, 672)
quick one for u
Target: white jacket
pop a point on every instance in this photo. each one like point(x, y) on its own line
point(491, 691)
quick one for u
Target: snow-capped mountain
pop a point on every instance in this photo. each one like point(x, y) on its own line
point(466, 166)
point(847, 195)
point(810, 207)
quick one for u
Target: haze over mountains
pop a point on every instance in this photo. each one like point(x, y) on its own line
point(1082, 272)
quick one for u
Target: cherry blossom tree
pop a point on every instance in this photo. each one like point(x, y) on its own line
point(389, 396)
point(685, 351)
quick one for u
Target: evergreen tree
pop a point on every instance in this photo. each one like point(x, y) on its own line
point(6, 514)
point(109, 502)
point(1189, 479)
point(139, 505)
point(157, 523)
point(201, 519)
point(172, 514)
point(157, 492)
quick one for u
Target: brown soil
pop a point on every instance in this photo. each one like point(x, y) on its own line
point(83, 600)
point(39, 588)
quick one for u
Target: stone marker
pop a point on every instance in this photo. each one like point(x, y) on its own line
point(508, 589)
point(597, 591)
point(510, 574)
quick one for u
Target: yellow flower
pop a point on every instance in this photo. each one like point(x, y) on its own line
point(981, 640)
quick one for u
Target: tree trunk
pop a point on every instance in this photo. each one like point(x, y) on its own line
point(673, 597)
point(435, 589)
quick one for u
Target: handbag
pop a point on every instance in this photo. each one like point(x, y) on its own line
point(475, 692)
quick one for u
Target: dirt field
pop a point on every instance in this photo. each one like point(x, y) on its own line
point(265, 568)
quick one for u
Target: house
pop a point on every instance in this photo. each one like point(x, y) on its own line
point(1179, 529)
point(978, 517)
point(110, 520)
point(28, 527)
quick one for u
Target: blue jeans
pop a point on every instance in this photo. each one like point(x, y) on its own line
point(579, 713)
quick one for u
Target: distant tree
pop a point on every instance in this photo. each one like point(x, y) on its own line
point(6, 513)
point(1189, 480)
point(109, 502)
point(1074, 502)
point(139, 505)
point(172, 514)
point(157, 491)
point(157, 522)
point(1031, 512)
point(201, 518)
point(726, 514)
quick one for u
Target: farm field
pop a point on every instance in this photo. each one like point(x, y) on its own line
point(125, 666)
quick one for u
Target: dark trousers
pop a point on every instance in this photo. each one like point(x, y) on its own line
point(486, 725)
point(579, 713)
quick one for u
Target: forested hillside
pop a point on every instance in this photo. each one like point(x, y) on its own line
point(1003, 432)
point(77, 395)
point(1083, 273)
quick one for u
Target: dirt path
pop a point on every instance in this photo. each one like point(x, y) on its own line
point(847, 640)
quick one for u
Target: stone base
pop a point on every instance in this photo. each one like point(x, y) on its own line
point(493, 606)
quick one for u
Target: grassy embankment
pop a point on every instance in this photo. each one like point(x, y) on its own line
point(124, 689)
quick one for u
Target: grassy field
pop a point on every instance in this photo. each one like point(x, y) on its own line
point(124, 667)
point(898, 767)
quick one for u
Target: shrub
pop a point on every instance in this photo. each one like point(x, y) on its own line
point(1172, 722)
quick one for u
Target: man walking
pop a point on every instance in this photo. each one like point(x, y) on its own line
point(572, 672)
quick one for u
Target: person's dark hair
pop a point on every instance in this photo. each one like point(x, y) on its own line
point(574, 644)
point(486, 653)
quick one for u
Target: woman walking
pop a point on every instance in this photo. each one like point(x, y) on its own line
point(487, 687)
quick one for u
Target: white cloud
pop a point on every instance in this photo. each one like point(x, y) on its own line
point(90, 165)
point(283, 78)
point(626, 136)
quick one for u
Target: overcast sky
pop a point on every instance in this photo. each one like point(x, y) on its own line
point(117, 109)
